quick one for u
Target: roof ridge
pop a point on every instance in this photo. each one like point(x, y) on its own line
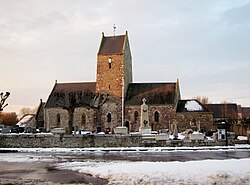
point(75, 83)
point(153, 83)
point(114, 36)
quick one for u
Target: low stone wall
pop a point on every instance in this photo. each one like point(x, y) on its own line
point(38, 141)
point(68, 141)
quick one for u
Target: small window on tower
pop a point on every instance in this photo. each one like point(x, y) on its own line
point(109, 87)
point(110, 61)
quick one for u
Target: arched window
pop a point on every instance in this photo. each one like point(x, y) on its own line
point(156, 115)
point(83, 119)
point(110, 61)
point(193, 123)
point(58, 120)
point(109, 117)
point(136, 116)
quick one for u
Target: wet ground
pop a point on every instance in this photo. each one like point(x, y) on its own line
point(42, 173)
point(155, 156)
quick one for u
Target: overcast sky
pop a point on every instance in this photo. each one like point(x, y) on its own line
point(205, 44)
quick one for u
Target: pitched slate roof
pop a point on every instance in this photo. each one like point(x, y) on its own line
point(223, 110)
point(190, 106)
point(69, 87)
point(112, 45)
point(155, 93)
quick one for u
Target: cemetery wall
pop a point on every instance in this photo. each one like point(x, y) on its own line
point(38, 141)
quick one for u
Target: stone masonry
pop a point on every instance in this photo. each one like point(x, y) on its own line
point(191, 120)
point(166, 116)
point(89, 123)
point(39, 141)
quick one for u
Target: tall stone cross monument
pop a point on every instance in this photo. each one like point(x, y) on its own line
point(144, 122)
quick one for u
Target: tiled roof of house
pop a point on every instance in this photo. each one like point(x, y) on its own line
point(190, 106)
point(154, 93)
point(228, 110)
point(69, 87)
point(112, 45)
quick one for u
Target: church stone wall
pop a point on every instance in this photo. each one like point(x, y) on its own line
point(166, 116)
point(113, 107)
point(128, 76)
point(90, 121)
point(51, 118)
point(191, 120)
point(134, 122)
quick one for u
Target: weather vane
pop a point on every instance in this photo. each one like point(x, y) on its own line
point(114, 27)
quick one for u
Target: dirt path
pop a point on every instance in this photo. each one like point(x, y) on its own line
point(42, 173)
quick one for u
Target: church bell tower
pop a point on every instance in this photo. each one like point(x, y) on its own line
point(114, 65)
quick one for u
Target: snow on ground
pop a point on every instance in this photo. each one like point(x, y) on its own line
point(192, 172)
point(233, 171)
point(180, 136)
point(130, 149)
point(19, 158)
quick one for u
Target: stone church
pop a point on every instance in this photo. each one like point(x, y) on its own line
point(114, 76)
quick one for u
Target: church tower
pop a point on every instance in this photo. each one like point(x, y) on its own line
point(114, 73)
point(114, 65)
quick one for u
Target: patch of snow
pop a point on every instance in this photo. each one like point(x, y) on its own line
point(154, 132)
point(195, 132)
point(130, 149)
point(193, 105)
point(24, 120)
point(233, 171)
point(209, 138)
point(180, 136)
point(18, 157)
point(100, 133)
point(242, 137)
point(134, 133)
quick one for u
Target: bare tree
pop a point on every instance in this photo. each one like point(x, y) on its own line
point(224, 109)
point(71, 100)
point(228, 112)
point(202, 99)
point(27, 110)
point(3, 98)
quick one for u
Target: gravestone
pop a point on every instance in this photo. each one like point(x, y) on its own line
point(121, 130)
point(175, 129)
point(144, 121)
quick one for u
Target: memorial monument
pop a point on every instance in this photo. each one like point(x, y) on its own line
point(144, 121)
